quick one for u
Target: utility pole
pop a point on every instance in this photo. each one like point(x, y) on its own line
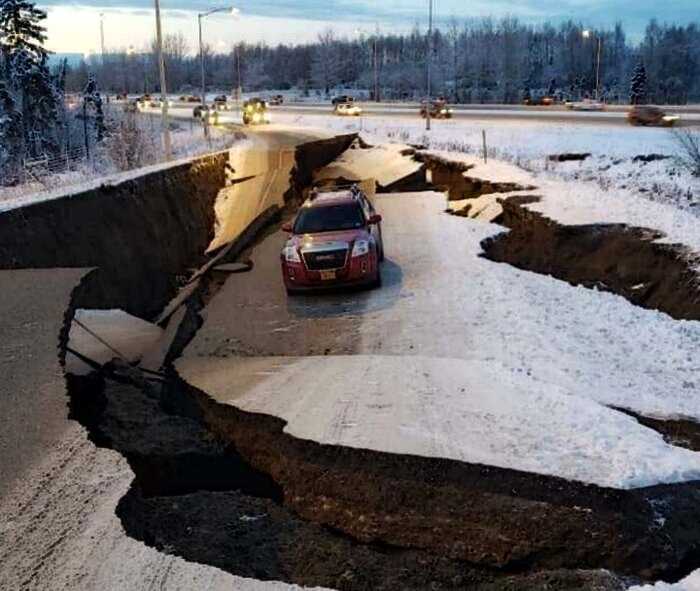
point(428, 60)
point(163, 89)
point(201, 59)
point(597, 71)
point(102, 37)
point(376, 72)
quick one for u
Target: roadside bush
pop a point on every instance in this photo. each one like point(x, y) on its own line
point(129, 144)
point(688, 143)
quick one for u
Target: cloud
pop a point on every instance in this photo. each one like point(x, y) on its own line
point(403, 13)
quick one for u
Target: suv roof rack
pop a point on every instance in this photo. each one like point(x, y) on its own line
point(354, 189)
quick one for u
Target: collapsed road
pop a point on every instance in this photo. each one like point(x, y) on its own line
point(431, 434)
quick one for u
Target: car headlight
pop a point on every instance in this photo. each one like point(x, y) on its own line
point(291, 255)
point(360, 248)
point(256, 118)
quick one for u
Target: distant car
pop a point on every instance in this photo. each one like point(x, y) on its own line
point(648, 116)
point(586, 105)
point(347, 110)
point(542, 101)
point(335, 241)
point(255, 112)
point(121, 96)
point(221, 103)
point(190, 98)
point(206, 113)
point(276, 100)
point(343, 98)
point(437, 109)
point(158, 103)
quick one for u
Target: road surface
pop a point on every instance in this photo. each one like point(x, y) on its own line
point(616, 116)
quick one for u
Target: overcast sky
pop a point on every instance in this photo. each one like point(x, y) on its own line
point(75, 26)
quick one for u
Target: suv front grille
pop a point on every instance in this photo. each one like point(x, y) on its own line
point(326, 259)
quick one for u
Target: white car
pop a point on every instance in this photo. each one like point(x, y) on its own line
point(587, 105)
point(348, 110)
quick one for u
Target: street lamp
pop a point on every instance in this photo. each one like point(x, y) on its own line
point(587, 34)
point(235, 13)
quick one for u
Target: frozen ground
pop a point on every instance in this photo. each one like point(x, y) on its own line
point(463, 358)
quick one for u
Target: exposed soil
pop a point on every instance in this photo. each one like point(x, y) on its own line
point(449, 176)
point(612, 257)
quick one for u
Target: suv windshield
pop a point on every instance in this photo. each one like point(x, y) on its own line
point(344, 216)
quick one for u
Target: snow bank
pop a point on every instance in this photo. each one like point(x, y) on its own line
point(690, 583)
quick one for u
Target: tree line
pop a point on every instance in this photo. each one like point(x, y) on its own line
point(474, 61)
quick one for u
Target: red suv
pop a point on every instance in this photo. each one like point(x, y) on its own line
point(336, 240)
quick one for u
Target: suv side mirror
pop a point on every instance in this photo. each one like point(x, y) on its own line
point(374, 219)
point(287, 227)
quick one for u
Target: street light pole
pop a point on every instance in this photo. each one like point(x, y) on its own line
point(235, 12)
point(163, 90)
point(428, 62)
point(102, 37)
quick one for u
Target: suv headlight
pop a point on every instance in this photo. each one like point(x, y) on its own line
point(360, 248)
point(291, 255)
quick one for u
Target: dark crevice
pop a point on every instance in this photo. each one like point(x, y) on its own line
point(615, 258)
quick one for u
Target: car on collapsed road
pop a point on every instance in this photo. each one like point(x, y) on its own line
point(335, 241)
point(648, 116)
point(347, 110)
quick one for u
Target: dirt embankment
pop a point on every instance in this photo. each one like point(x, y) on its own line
point(451, 176)
point(620, 259)
point(138, 234)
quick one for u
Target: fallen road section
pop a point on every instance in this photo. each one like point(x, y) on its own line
point(431, 388)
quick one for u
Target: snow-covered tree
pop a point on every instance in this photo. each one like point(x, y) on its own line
point(638, 86)
point(11, 137)
point(26, 77)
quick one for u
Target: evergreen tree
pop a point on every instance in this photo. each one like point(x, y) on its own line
point(638, 86)
point(26, 75)
point(11, 138)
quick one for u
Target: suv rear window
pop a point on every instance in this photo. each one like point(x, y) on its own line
point(344, 216)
